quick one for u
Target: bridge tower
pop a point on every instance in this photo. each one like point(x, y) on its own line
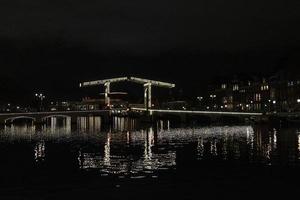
point(147, 95)
point(107, 92)
point(106, 83)
point(148, 88)
point(145, 82)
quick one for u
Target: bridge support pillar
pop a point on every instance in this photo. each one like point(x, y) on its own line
point(107, 92)
point(147, 96)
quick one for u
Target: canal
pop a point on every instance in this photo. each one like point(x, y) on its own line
point(130, 160)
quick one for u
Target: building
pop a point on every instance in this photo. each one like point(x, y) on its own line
point(243, 94)
point(277, 93)
point(117, 100)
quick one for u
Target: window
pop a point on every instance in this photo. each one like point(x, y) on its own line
point(291, 83)
point(257, 97)
point(264, 87)
point(223, 86)
point(235, 87)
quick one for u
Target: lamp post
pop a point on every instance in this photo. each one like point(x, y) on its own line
point(213, 96)
point(274, 105)
point(41, 97)
point(200, 101)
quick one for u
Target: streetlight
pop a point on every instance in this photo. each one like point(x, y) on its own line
point(41, 97)
point(199, 98)
point(212, 96)
point(274, 105)
point(200, 101)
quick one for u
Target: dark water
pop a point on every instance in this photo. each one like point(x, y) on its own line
point(130, 160)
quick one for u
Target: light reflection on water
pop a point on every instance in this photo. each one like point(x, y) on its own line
point(128, 149)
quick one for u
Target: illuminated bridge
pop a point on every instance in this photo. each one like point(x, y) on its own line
point(106, 115)
point(147, 84)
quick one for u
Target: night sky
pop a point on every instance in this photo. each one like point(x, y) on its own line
point(52, 45)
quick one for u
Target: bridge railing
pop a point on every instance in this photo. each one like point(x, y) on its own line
point(199, 112)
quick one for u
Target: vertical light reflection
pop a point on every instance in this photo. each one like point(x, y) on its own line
point(213, 147)
point(200, 148)
point(161, 125)
point(58, 126)
point(269, 147)
point(97, 124)
point(298, 144)
point(68, 125)
point(128, 137)
point(250, 140)
point(39, 151)
point(258, 139)
point(81, 159)
point(123, 124)
point(24, 131)
point(224, 150)
point(53, 125)
point(106, 158)
point(236, 151)
point(149, 143)
point(89, 124)
point(81, 124)
point(274, 139)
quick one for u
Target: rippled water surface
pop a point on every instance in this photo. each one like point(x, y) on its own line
point(128, 149)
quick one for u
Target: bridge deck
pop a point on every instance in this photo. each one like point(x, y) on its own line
point(199, 112)
point(54, 113)
point(40, 116)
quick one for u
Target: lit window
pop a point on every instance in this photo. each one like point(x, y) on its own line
point(235, 87)
point(264, 87)
point(257, 97)
point(290, 83)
